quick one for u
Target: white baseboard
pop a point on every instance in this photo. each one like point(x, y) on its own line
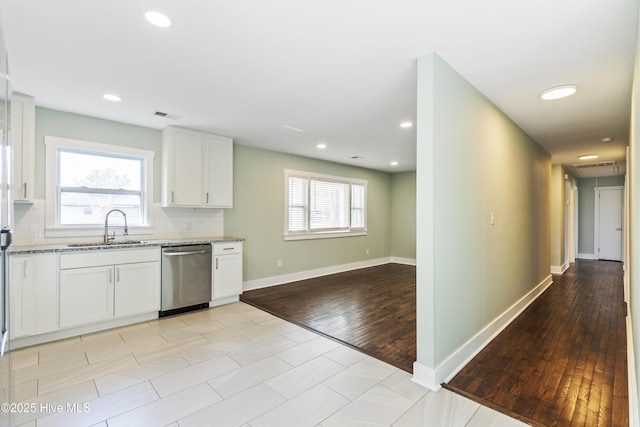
point(309, 274)
point(634, 416)
point(81, 330)
point(433, 378)
point(555, 269)
point(587, 256)
point(406, 261)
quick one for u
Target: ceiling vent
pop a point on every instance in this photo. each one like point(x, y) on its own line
point(597, 169)
point(166, 115)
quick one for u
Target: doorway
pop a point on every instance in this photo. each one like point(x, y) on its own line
point(608, 222)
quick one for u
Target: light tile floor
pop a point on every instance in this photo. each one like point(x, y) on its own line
point(232, 365)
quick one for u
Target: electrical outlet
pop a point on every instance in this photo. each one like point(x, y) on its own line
point(189, 225)
point(366, 251)
point(279, 263)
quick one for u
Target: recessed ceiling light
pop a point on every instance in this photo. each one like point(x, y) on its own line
point(394, 163)
point(111, 97)
point(158, 19)
point(588, 157)
point(558, 92)
point(321, 146)
point(607, 139)
point(406, 124)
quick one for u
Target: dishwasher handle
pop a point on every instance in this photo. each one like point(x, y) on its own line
point(180, 253)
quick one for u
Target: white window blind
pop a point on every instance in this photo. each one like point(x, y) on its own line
point(298, 204)
point(319, 205)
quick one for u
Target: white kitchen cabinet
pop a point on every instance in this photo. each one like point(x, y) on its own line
point(33, 294)
point(227, 270)
point(97, 286)
point(182, 172)
point(23, 118)
point(218, 171)
point(197, 169)
point(86, 295)
point(137, 288)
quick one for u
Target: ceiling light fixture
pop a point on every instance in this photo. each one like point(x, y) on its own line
point(394, 163)
point(588, 157)
point(558, 92)
point(321, 146)
point(406, 124)
point(607, 139)
point(158, 19)
point(111, 97)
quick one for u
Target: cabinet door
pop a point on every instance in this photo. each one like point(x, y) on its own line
point(86, 295)
point(137, 288)
point(21, 296)
point(218, 171)
point(33, 294)
point(227, 275)
point(183, 151)
point(23, 143)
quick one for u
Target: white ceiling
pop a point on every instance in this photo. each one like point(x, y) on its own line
point(341, 71)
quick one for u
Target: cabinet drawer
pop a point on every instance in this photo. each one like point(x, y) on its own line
point(227, 248)
point(108, 257)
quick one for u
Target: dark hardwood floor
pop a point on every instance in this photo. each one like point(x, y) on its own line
point(372, 309)
point(562, 362)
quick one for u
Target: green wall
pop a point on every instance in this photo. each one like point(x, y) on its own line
point(258, 209)
point(85, 128)
point(586, 210)
point(403, 215)
point(632, 259)
point(258, 215)
point(473, 160)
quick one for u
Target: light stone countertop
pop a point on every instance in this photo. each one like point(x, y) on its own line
point(36, 249)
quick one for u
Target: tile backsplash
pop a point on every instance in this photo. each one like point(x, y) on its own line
point(168, 223)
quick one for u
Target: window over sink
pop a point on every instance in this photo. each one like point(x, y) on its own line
point(85, 180)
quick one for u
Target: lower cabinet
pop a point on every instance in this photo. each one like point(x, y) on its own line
point(86, 295)
point(33, 294)
point(227, 270)
point(95, 293)
point(137, 288)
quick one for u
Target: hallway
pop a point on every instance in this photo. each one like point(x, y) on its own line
point(563, 360)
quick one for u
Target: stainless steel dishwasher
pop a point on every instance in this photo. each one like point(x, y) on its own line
point(186, 278)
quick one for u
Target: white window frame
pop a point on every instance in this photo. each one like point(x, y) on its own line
point(304, 235)
point(53, 228)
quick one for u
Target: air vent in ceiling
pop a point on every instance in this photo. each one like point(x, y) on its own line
point(597, 169)
point(357, 157)
point(166, 115)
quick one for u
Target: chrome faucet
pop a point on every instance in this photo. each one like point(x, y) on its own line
point(106, 226)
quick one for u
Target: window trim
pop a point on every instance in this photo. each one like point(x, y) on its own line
point(304, 235)
point(53, 228)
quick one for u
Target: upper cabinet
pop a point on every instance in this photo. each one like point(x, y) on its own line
point(23, 119)
point(197, 169)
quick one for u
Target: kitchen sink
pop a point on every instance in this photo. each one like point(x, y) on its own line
point(112, 243)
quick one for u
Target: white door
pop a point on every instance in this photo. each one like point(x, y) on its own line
point(609, 223)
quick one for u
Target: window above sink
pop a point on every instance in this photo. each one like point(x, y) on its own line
point(85, 180)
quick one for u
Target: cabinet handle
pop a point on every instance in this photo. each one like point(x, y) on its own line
point(216, 263)
point(110, 279)
point(207, 198)
point(173, 197)
point(25, 190)
point(26, 268)
point(117, 274)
